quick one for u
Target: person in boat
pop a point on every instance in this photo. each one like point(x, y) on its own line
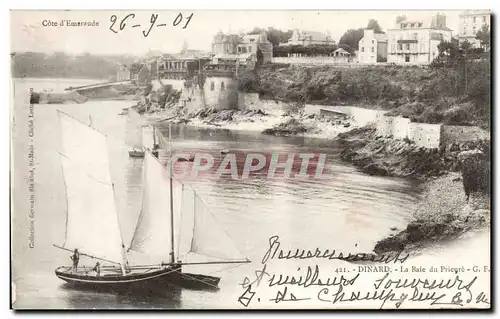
point(75, 258)
point(156, 150)
point(97, 269)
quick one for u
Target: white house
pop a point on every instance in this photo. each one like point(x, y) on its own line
point(372, 47)
point(471, 22)
point(416, 41)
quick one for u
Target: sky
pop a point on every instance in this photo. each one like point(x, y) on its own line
point(31, 30)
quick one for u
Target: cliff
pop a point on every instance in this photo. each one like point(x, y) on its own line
point(425, 94)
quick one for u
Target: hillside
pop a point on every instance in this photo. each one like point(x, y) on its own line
point(434, 94)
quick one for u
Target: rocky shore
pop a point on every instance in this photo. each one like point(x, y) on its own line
point(444, 212)
point(272, 122)
point(384, 156)
point(451, 172)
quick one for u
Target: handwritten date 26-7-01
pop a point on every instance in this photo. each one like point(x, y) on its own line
point(119, 24)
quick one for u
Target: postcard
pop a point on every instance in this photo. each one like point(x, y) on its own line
point(242, 160)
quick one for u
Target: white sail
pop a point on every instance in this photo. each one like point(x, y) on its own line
point(92, 223)
point(134, 130)
point(149, 136)
point(153, 233)
point(86, 147)
point(205, 236)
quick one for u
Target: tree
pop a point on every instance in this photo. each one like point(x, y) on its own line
point(400, 18)
point(351, 38)
point(346, 47)
point(483, 36)
point(274, 36)
point(465, 46)
point(373, 25)
point(449, 53)
point(257, 31)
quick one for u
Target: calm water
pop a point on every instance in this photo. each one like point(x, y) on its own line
point(348, 212)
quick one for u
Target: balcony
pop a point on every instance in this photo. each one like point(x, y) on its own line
point(404, 41)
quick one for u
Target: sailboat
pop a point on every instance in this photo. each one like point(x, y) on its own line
point(135, 134)
point(173, 223)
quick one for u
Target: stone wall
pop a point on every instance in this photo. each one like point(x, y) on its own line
point(192, 99)
point(221, 92)
point(384, 125)
point(363, 116)
point(312, 60)
point(312, 109)
point(400, 127)
point(425, 135)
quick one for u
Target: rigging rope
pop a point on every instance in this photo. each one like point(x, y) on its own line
point(226, 268)
point(217, 221)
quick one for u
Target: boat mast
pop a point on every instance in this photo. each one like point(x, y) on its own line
point(124, 253)
point(154, 136)
point(171, 193)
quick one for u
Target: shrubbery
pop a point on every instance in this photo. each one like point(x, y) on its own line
point(436, 94)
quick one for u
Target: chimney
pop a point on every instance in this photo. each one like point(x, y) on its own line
point(438, 21)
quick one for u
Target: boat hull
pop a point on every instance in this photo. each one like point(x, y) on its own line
point(150, 280)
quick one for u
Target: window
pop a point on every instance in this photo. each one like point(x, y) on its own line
point(373, 49)
point(407, 47)
point(465, 30)
point(400, 46)
point(362, 49)
point(373, 41)
point(212, 86)
point(222, 87)
point(407, 58)
point(474, 30)
point(484, 18)
point(474, 20)
point(249, 49)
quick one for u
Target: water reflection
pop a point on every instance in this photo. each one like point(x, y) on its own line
point(77, 297)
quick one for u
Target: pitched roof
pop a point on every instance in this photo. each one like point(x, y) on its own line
point(315, 36)
point(428, 22)
point(341, 50)
point(251, 38)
